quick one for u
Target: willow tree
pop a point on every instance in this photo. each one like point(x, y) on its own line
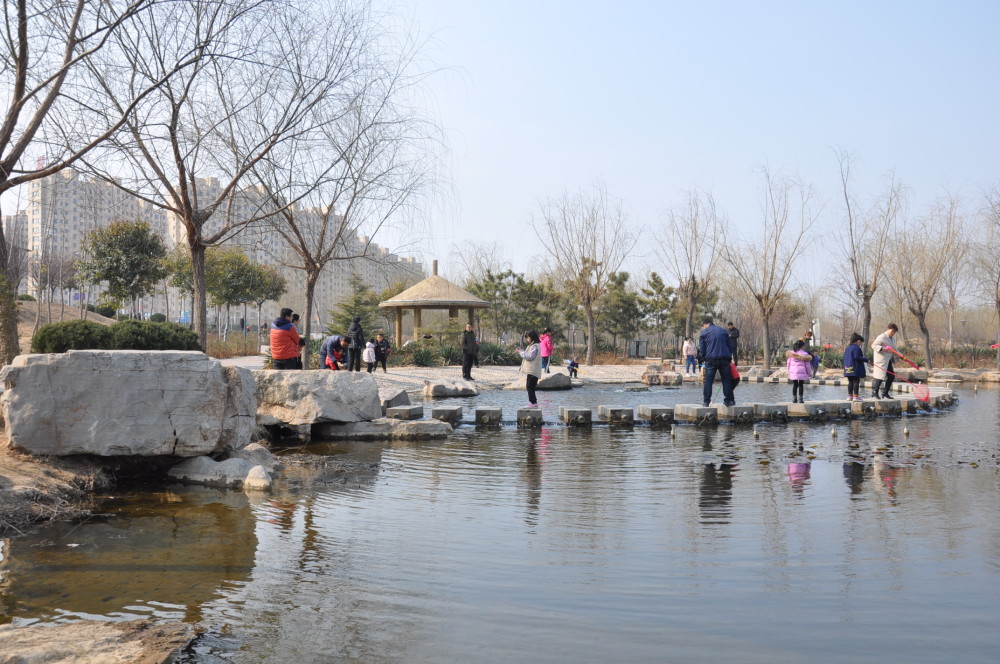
point(763, 265)
point(986, 256)
point(587, 238)
point(52, 115)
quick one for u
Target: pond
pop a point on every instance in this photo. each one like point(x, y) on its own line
point(880, 543)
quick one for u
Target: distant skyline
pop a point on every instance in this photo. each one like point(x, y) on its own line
point(655, 98)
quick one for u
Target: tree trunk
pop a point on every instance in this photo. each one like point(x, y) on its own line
point(588, 311)
point(766, 331)
point(199, 304)
point(922, 322)
point(689, 320)
point(951, 329)
point(312, 276)
point(866, 308)
point(8, 320)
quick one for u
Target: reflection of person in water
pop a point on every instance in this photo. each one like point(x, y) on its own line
point(716, 493)
point(798, 475)
point(854, 475)
point(538, 451)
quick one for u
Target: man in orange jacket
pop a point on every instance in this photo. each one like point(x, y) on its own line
point(285, 341)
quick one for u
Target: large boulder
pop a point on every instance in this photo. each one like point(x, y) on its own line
point(658, 374)
point(303, 398)
point(556, 381)
point(990, 377)
point(946, 377)
point(450, 388)
point(124, 403)
point(390, 397)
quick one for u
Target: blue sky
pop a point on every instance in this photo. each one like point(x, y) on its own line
point(658, 97)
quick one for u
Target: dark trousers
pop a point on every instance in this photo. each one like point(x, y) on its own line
point(889, 378)
point(370, 367)
point(354, 359)
point(290, 363)
point(530, 384)
point(467, 360)
point(380, 359)
point(798, 389)
point(720, 365)
point(853, 385)
point(733, 347)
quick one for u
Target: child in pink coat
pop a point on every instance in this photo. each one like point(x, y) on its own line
point(545, 346)
point(798, 371)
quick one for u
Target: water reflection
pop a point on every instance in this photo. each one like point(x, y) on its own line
point(162, 553)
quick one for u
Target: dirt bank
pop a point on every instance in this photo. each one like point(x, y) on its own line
point(36, 489)
point(90, 642)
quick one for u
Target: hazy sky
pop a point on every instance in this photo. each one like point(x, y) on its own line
point(658, 97)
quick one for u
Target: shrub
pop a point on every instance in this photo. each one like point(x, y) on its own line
point(71, 335)
point(497, 355)
point(24, 297)
point(158, 318)
point(107, 312)
point(146, 335)
point(423, 357)
point(450, 355)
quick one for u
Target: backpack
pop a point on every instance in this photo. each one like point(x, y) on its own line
point(736, 374)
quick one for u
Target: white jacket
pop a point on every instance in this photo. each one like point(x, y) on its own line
point(368, 354)
point(531, 363)
point(883, 356)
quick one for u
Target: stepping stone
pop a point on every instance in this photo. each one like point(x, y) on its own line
point(773, 412)
point(696, 413)
point(616, 414)
point(578, 417)
point(810, 410)
point(840, 408)
point(404, 412)
point(529, 417)
point(888, 407)
point(447, 413)
point(488, 415)
point(657, 415)
point(735, 414)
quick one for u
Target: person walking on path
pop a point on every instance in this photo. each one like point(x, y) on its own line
point(882, 362)
point(690, 357)
point(285, 342)
point(382, 350)
point(798, 372)
point(470, 349)
point(531, 364)
point(356, 347)
point(734, 340)
point(715, 352)
point(545, 348)
point(854, 366)
point(368, 355)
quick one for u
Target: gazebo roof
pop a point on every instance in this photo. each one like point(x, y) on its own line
point(435, 292)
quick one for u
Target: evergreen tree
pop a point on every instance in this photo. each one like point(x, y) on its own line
point(126, 256)
point(363, 302)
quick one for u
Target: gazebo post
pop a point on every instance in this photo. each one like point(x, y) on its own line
point(417, 322)
point(399, 326)
point(452, 312)
point(472, 319)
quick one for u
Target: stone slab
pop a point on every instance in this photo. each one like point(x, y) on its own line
point(405, 412)
point(864, 408)
point(840, 408)
point(888, 407)
point(814, 411)
point(696, 413)
point(771, 412)
point(580, 417)
point(735, 414)
point(447, 413)
point(529, 417)
point(383, 429)
point(616, 414)
point(488, 415)
point(393, 396)
point(657, 415)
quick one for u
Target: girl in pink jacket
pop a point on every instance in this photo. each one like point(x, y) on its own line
point(545, 346)
point(798, 371)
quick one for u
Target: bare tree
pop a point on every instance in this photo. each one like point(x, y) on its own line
point(955, 282)
point(918, 271)
point(986, 255)
point(866, 244)
point(586, 235)
point(475, 259)
point(259, 77)
point(45, 56)
point(686, 245)
point(336, 188)
point(763, 266)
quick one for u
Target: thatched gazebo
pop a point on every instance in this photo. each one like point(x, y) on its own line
point(434, 292)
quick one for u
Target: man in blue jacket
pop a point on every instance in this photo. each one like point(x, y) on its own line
point(715, 352)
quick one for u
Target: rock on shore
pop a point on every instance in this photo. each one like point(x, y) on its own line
point(92, 642)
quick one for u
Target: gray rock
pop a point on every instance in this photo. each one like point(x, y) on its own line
point(228, 473)
point(662, 378)
point(385, 429)
point(256, 454)
point(946, 376)
point(450, 388)
point(391, 397)
point(555, 381)
point(990, 377)
point(123, 403)
point(296, 398)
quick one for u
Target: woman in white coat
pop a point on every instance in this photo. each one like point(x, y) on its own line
point(531, 364)
point(882, 364)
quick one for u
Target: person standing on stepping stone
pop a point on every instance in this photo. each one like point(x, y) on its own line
point(713, 347)
point(531, 364)
point(882, 362)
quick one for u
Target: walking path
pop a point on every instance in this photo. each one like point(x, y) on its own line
point(491, 377)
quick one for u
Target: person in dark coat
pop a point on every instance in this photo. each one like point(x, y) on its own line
point(734, 340)
point(356, 337)
point(854, 367)
point(331, 347)
point(470, 350)
point(715, 352)
point(382, 350)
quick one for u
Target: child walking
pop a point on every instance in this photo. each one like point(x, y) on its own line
point(368, 355)
point(854, 366)
point(798, 372)
point(690, 357)
point(545, 347)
